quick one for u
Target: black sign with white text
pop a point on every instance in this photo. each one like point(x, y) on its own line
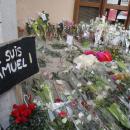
point(17, 62)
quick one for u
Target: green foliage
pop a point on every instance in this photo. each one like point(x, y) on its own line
point(39, 27)
point(121, 65)
point(45, 93)
point(85, 43)
point(116, 55)
point(58, 46)
point(119, 115)
point(58, 124)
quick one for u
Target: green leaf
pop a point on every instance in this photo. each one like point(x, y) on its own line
point(85, 43)
point(121, 65)
point(119, 115)
point(35, 28)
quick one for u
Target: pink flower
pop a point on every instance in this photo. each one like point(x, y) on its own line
point(73, 104)
point(113, 78)
point(104, 56)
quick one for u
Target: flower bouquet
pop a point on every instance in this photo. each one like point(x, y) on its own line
point(28, 117)
point(62, 122)
point(39, 26)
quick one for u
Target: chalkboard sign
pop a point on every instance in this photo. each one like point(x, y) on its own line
point(17, 62)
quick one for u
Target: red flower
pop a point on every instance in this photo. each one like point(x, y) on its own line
point(62, 114)
point(26, 113)
point(104, 56)
point(32, 106)
point(15, 106)
point(58, 100)
point(100, 56)
point(18, 120)
point(15, 113)
point(108, 56)
point(22, 112)
point(89, 52)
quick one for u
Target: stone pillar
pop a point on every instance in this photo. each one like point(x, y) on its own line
point(8, 21)
point(8, 32)
point(6, 101)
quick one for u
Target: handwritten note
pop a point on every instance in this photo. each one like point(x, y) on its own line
point(17, 62)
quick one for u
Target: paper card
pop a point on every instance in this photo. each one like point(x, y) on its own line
point(69, 40)
point(112, 15)
point(122, 15)
point(43, 16)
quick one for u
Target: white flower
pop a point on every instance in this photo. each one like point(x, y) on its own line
point(80, 90)
point(89, 117)
point(104, 93)
point(35, 101)
point(89, 83)
point(114, 67)
point(92, 72)
point(39, 103)
point(118, 81)
point(81, 115)
point(79, 85)
point(109, 80)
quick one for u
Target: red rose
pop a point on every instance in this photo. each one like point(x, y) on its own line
point(18, 120)
point(15, 113)
point(32, 106)
point(15, 106)
point(26, 113)
point(62, 114)
point(21, 120)
point(24, 119)
point(22, 112)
